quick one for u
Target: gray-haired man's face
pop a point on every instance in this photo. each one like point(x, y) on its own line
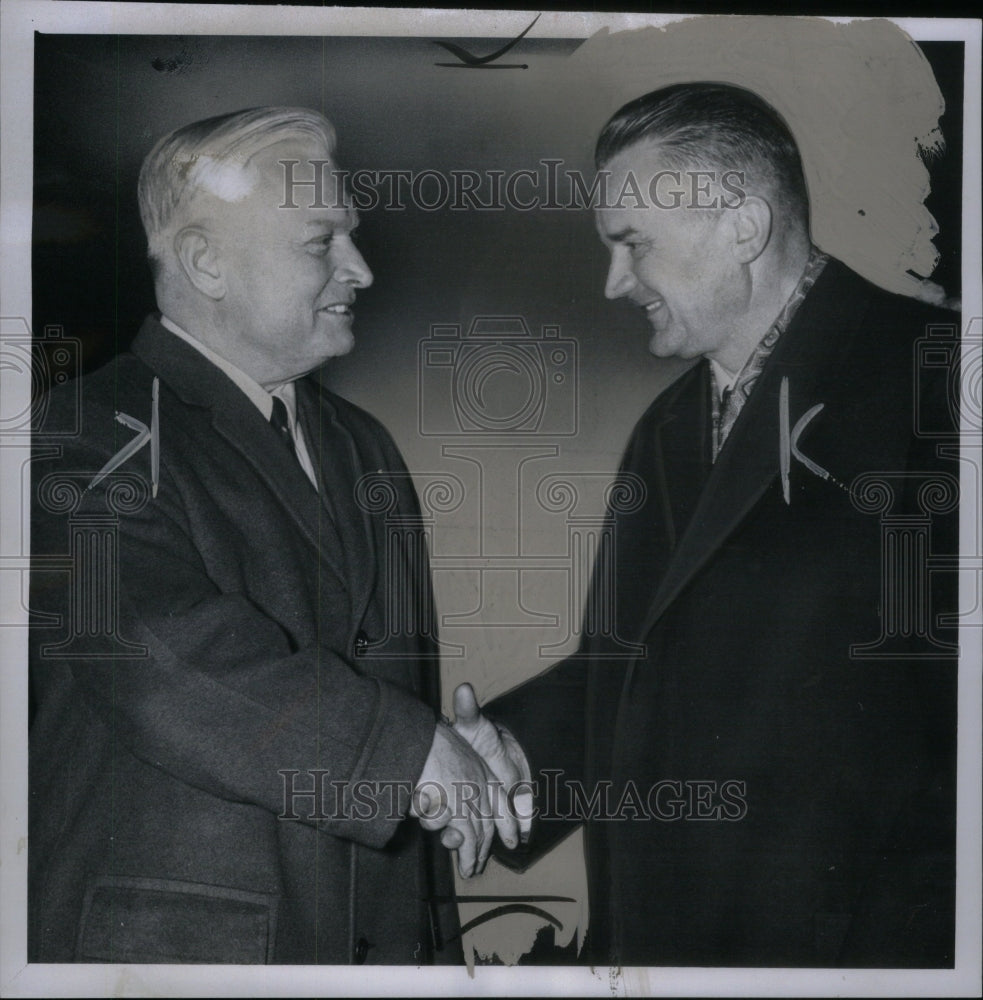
point(291, 272)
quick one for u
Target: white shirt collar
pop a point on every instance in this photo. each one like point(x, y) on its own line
point(262, 399)
point(726, 379)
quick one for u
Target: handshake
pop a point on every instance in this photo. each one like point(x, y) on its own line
point(475, 781)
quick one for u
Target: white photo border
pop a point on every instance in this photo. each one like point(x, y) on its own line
point(19, 19)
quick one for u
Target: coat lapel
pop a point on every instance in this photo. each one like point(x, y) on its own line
point(340, 464)
point(682, 451)
point(199, 383)
point(669, 457)
point(749, 462)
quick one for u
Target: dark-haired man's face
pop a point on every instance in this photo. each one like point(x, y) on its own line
point(671, 258)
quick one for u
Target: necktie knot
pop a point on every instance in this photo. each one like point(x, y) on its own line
point(280, 422)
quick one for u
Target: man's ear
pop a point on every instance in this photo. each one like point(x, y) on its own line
point(196, 254)
point(752, 222)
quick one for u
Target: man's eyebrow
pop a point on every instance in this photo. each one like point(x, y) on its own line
point(619, 235)
point(347, 221)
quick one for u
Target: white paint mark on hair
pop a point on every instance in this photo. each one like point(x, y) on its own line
point(228, 180)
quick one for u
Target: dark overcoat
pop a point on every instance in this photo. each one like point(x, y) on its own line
point(199, 653)
point(776, 686)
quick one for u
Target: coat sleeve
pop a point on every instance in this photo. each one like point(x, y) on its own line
point(220, 696)
point(548, 716)
point(564, 717)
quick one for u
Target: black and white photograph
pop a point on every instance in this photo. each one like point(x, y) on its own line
point(491, 502)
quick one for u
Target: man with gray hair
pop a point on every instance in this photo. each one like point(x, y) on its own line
point(236, 755)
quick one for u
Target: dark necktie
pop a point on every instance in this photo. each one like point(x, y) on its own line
point(280, 423)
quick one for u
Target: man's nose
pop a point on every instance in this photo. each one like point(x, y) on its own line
point(352, 269)
point(621, 278)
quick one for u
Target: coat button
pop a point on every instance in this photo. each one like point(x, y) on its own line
point(361, 951)
point(361, 644)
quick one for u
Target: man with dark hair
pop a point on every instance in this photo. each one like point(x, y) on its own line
point(715, 127)
point(233, 741)
point(763, 741)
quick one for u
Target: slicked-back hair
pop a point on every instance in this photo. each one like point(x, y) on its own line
point(713, 126)
point(215, 154)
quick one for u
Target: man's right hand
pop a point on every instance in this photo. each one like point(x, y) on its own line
point(501, 751)
point(459, 794)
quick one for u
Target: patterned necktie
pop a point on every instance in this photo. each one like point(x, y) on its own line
point(727, 408)
point(280, 423)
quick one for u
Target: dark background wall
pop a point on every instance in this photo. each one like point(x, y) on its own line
point(101, 102)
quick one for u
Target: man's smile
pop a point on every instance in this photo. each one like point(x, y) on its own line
point(654, 310)
point(338, 308)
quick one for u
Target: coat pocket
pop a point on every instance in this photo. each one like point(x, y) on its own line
point(162, 920)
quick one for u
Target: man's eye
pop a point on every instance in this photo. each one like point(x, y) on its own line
point(324, 243)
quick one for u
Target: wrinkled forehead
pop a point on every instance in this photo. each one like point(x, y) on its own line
point(640, 190)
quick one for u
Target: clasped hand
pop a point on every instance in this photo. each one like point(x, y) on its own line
point(469, 783)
